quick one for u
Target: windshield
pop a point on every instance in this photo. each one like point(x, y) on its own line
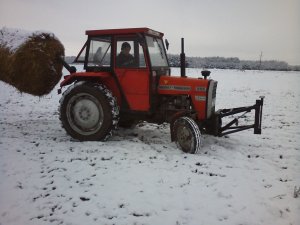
point(156, 51)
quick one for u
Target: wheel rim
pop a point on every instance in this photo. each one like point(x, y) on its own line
point(185, 137)
point(85, 114)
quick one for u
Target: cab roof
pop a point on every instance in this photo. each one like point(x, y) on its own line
point(124, 31)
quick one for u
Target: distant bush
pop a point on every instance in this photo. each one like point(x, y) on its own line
point(231, 63)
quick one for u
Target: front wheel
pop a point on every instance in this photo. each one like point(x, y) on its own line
point(187, 135)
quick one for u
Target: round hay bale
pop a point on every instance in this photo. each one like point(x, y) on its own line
point(30, 61)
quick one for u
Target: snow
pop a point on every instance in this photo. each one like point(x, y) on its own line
point(139, 177)
point(13, 38)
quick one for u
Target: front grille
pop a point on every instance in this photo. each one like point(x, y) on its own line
point(214, 92)
point(211, 98)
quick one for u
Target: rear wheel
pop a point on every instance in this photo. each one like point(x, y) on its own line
point(187, 135)
point(88, 111)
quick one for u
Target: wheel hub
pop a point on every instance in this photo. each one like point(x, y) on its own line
point(85, 114)
point(185, 137)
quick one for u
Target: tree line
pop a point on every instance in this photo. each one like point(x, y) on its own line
point(231, 63)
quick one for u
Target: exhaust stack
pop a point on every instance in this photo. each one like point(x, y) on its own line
point(182, 59)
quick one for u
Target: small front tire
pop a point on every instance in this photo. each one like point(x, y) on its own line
point(187, 135)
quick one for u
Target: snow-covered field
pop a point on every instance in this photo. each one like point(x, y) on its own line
point(140, 177)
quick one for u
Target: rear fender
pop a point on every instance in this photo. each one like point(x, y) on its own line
point(69, 79)
point(99, 77)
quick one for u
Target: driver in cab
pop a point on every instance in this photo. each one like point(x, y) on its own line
point(124, 58)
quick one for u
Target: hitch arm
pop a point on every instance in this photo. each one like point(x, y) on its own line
point(71, 69)
point(229, 128)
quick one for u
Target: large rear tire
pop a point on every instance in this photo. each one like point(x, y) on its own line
point(88, 111)
point(187, 135)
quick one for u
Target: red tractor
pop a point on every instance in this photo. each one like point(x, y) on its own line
point(127, 79)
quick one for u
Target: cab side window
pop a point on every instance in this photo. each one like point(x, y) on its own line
point(129, 54)
point(100, 52)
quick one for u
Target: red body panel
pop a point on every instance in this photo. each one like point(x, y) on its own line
point(135, 84)
point(196, 88)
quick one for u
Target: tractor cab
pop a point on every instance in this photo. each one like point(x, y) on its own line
point(135, 57)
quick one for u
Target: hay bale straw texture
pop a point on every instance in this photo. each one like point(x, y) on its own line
point(29, 60)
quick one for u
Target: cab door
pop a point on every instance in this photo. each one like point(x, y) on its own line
point(133, 77)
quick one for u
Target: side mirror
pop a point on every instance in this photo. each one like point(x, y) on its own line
point(167, 44)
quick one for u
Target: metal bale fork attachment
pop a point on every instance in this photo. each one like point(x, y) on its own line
point(232, 126)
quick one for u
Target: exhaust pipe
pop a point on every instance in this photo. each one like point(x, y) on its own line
point(182, 59)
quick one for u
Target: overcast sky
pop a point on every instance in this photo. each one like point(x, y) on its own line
point(229, 28)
